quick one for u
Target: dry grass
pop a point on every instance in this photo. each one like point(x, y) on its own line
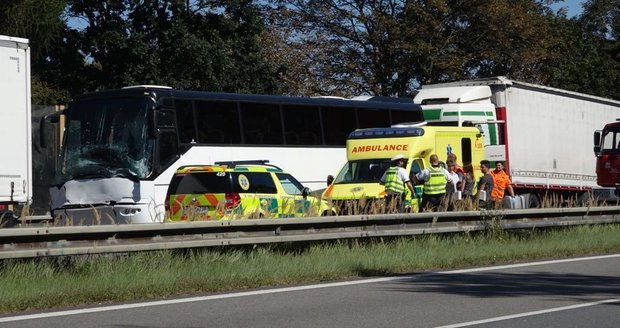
point(67, 281)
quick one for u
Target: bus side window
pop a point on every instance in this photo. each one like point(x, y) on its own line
point(402, 116)
point(338, 122)
point(262, 124)
point(167, 150)
point(218, 122)
point(370, 118)
point(185, 120)
point(302, 125)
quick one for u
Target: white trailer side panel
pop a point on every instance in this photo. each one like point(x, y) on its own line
point(15, 140)
point(550, 134)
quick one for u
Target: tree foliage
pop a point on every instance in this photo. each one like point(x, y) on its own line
point(591, 51)
point(201, 45)
point(309, 47)
point(42, 23)
point(390, 47)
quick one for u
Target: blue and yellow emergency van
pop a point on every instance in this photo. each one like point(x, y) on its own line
point(369, 151)
point(239, 190)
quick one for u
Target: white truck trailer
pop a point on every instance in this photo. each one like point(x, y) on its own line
point(543, 134)
point(15, 124)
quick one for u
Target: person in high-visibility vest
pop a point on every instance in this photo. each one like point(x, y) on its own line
point(395, 179)
point(435, 178)
point(501, 183)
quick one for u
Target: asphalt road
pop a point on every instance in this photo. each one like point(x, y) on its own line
point(581, 292)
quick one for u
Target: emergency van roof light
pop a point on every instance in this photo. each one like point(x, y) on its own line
point(233, 164)
point(386, 133)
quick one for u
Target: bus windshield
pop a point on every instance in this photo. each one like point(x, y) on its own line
point(106, 138)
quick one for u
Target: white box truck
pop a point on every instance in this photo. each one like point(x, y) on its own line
point(543, 134)
point(15, 124)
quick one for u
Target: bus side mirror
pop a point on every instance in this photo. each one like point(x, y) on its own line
point(597, 142)
point(330, 179)
point(53, 118)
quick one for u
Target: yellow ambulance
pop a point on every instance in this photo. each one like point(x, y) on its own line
point(356, 187)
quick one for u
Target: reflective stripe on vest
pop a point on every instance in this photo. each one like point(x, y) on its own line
point(436, 183)
point(392, 182)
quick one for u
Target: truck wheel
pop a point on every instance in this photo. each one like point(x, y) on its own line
point(584, 199)
point(531, 200)
point(8, 220)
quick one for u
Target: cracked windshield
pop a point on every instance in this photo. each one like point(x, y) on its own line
point(106, 138)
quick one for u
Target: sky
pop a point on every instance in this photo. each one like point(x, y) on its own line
point(573, 6)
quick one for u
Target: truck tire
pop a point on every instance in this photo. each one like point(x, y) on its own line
point(531, 200)
point(8, 220)
point(584, 199)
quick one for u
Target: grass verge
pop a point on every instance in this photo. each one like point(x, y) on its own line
point(68, 281)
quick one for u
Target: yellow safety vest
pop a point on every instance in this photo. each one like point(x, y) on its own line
point(392, 182)
point(436, 182)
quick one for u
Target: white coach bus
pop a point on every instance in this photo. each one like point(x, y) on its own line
point(121, 147)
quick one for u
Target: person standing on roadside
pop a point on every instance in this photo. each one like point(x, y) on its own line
point(395, 179)
point(501, 183)
point(485, 185)
point(469, 179)
point(456, 169)
point(435, 179)
point(451, 186)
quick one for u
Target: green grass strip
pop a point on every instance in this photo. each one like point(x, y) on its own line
point(69, 281)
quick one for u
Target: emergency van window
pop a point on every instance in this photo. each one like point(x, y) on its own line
point(337, 124)
point(220, 183)
point(218, 122)
point(404, 116)
point(372, 118)
point(262, 124)
point(368, 170)
point(302, 125)
point(416, 167)
point(200, 183)
point(185, 120)
point(466, 150)
point(291, 185)
point(259, 182)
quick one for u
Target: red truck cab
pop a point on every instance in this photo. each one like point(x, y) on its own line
point(607, 151)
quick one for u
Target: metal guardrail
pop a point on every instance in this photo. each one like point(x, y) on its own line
point(82, 240)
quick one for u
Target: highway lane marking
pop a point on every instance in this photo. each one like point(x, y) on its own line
point(528, 314)
point(287, 289)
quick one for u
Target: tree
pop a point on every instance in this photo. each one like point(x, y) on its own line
point(205, 45)
point(390, 47)
point(41, 22)
point(591, 51)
